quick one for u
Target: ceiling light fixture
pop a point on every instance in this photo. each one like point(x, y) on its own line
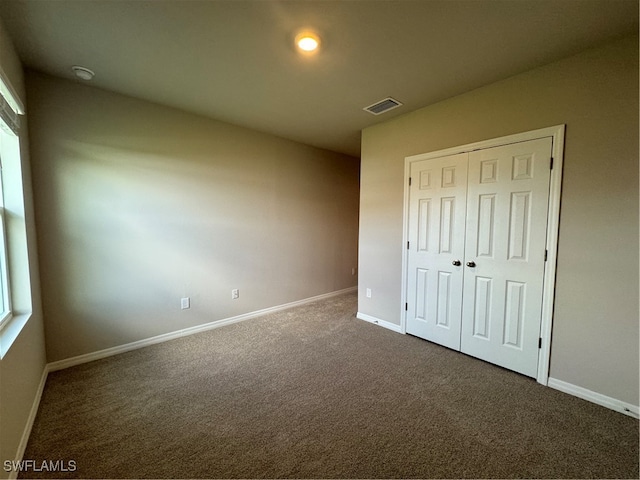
point(82, 72)
point(307, 42)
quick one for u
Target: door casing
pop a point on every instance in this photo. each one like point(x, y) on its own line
point(553, 220)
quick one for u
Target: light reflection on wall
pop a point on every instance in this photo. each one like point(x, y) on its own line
point(139, 205)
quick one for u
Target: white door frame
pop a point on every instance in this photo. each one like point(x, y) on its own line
point(553, 221)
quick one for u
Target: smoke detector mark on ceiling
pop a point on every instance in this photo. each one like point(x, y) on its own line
point(383, 106)
point(82, 73)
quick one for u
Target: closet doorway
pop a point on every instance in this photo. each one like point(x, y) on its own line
point(481, 225)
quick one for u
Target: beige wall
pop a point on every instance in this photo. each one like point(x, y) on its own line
point(139, 205)
point(10, 64)
point(22, 367)
point(595, 329)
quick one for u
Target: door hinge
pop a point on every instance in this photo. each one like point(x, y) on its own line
point(409, 181)
point(540, 342)
point(551, 164)
point(546, 252)
point(406, 307)
point(407, 245)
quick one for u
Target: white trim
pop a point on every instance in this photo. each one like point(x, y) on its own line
point(14, 99)
point(591, 396)
point(553, 228)
point(377, 321)
point(405, 239)
point(491, 143)
point(108, 352)
point(10, 331)
point(553, 222)
point(26, 433)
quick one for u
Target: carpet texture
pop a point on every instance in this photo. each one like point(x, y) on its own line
point(312, 392)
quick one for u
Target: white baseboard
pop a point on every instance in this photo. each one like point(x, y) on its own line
point(377, 321)
point(108, 352)
point(603, 400)
point(22, 446)
point(576, 391)
point(69, 362)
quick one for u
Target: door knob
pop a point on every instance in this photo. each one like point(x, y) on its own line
point(471, 264)
point(457, 263)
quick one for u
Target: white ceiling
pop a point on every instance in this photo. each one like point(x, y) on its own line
point(234, 60)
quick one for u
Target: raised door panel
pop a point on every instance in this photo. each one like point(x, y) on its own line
point(507, 204)
point(437, 202)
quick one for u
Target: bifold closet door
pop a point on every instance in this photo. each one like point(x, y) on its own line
point(506, 228)
point(437, 210)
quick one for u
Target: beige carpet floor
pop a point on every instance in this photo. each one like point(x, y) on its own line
point(312, 392)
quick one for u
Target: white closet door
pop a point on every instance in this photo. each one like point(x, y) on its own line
point(437, 209)
point(507, 203)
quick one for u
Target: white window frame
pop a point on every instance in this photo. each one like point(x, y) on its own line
point(5, 284)
point(15, 275)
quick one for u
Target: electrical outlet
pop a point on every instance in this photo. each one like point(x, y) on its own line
point(185, 303)
point(235, 293)
point(368, 293)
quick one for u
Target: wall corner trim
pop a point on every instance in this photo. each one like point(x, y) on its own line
point(377, 321)
point(594, 397)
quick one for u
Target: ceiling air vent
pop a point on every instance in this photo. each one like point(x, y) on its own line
point(383, 106)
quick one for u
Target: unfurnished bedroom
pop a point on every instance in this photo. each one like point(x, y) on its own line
point(319, 239)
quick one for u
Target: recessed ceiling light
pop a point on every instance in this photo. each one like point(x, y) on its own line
point(307, 42)
point(82, 72)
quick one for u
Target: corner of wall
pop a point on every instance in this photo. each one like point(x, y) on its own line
point(23, 369)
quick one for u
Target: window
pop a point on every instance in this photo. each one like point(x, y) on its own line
point(5, 300)
point(15, 276)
